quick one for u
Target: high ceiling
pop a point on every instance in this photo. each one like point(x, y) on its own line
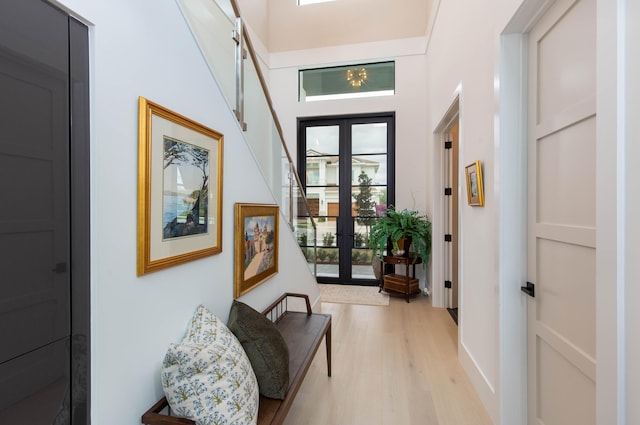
point(284, 26)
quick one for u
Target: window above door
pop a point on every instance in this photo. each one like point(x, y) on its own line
point(347, 81)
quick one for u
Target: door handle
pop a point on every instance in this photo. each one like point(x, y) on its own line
point(60, 268)
point(530, 289)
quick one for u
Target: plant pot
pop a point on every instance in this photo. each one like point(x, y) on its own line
point(403, 247)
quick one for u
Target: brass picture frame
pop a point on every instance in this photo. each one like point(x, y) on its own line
point(256, 245)
point(475, 187)
point(179, 189)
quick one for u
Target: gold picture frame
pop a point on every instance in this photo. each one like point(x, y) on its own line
point(179, 189)
point(256, 245)
point(475, 187)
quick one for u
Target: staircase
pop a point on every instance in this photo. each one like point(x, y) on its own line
point(224, 42)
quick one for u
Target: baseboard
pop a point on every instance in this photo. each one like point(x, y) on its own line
point(316, 303)
point(485, 390)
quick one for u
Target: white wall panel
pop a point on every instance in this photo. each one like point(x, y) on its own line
point(565, 178)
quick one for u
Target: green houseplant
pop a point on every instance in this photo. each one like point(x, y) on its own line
point(394, 225)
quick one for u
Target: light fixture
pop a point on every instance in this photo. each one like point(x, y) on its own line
point(356, 76)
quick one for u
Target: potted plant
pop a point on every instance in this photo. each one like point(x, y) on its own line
point(394, 225)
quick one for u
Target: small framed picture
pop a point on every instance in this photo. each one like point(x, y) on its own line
point(256, 245)
point(475, 188)
point(179, 189)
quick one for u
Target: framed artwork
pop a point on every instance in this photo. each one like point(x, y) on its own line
point(256, 245)
point(179, 189)
point(475, 188)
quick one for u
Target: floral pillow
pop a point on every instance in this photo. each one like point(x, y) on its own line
point(207, 377)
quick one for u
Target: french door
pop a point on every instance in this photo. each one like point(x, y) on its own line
point(346, 165)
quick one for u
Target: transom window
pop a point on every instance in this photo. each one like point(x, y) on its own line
point(348, 81)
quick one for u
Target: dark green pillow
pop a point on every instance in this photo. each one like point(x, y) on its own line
point(265, 347)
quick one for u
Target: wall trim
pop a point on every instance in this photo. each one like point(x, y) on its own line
point(511, 167)
point(347, 54)
point(438, 298)
point(485, 390)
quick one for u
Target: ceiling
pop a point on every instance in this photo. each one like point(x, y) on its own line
point(284, 26)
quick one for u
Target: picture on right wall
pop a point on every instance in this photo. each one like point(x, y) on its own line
point(475, 188)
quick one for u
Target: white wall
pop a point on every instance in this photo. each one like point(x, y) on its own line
point(144, 48)
point(632, 199)
point(463, 57)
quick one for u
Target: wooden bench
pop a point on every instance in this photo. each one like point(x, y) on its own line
point(303, 333)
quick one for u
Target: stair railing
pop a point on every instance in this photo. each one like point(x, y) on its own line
point(227, 48)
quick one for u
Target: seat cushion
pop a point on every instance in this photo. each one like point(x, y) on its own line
point(265, 347)
point(207, 377)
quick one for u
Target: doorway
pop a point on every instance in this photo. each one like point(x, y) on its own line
point(44, 313)
point(446, 254)
point(450, 202)
point(346, 164)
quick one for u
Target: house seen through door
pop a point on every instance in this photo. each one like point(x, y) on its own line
point(346, 167)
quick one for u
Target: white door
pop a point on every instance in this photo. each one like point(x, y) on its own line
point(561, 224)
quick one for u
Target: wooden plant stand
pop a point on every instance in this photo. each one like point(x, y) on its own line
point(393, 283)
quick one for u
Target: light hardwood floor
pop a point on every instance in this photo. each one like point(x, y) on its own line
point(394, 365)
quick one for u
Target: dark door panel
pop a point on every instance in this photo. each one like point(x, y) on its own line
point(33, 386)
point(37, 349)
point(34, 232)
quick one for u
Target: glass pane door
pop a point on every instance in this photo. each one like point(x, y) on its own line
point(347, 167)
point(369, 189)
point(322, 174)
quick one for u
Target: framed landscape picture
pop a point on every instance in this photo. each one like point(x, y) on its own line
point(475, 188)
point(179, 189)
point(256, 245)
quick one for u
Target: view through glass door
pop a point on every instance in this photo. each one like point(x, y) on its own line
point(346, 167)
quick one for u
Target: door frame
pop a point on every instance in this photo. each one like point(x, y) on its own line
point(439, 293)
point(345, 179)
point(80, 210)
point(511, 171)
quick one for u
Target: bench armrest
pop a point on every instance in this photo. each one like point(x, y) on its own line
point(280, 300)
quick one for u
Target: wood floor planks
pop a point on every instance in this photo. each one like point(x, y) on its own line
point(391, 365)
